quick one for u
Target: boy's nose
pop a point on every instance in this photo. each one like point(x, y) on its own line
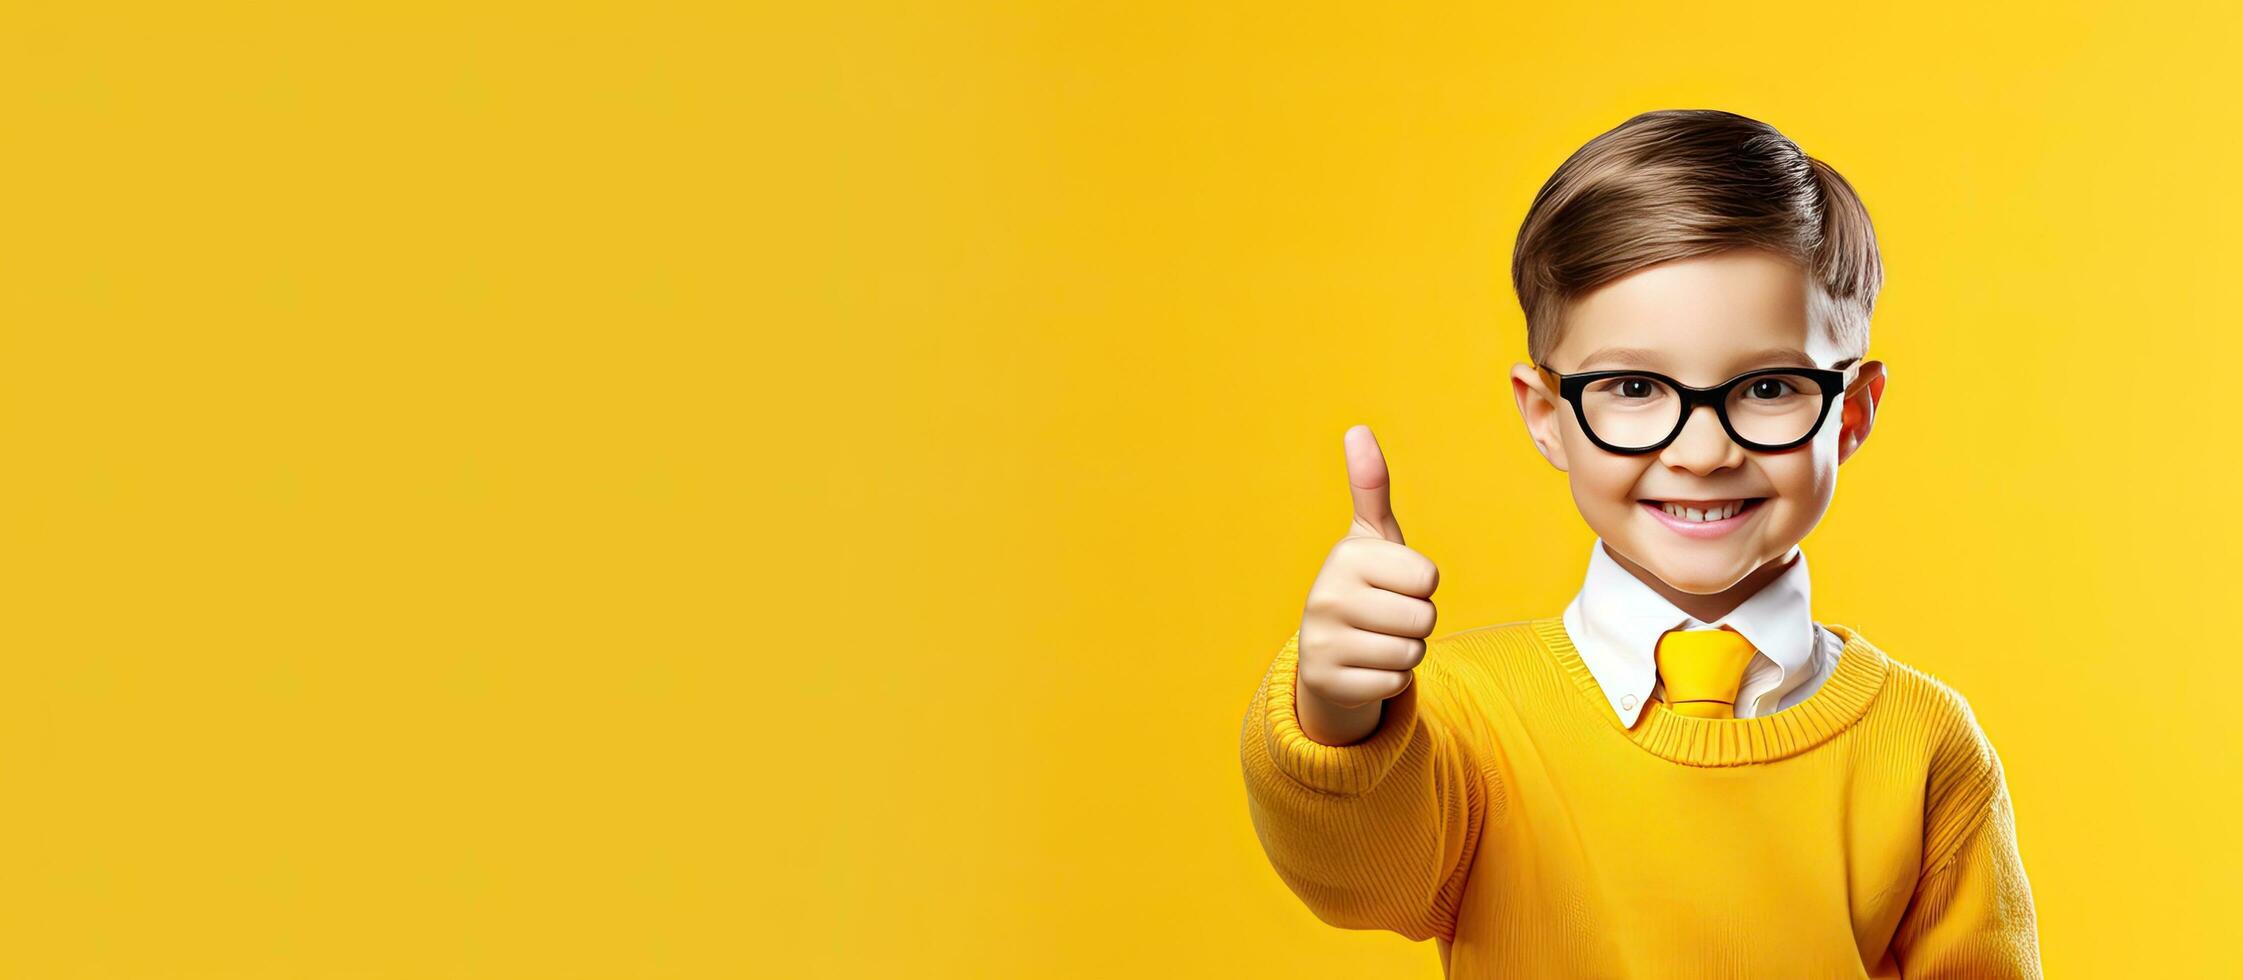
point(1704, 446)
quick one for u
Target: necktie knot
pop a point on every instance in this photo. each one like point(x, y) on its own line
point(1703, 669)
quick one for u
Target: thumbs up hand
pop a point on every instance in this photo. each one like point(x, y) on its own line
point(1368, 613)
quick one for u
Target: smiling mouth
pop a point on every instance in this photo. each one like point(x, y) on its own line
point(1704, 511)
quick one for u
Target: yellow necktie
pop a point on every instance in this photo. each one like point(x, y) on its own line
point(1702, 669)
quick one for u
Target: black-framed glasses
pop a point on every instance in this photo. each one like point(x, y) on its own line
point(1633, 411)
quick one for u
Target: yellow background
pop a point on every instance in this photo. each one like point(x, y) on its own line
point(642, 490)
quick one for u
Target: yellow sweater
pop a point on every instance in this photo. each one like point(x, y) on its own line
point(1501, 809)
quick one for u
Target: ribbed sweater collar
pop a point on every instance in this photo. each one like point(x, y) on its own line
point(1841, 700)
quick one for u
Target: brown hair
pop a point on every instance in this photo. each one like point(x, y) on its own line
point(1676, 183)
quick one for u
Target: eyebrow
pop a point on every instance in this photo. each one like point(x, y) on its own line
point(1646, 358)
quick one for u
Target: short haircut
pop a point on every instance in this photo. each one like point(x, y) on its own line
point(1676, 183)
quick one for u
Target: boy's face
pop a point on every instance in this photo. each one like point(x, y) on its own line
point(1701, 321)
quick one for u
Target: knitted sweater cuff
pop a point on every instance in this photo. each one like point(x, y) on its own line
point(1346, 770)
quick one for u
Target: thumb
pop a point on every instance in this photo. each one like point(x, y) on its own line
point(1366, 480)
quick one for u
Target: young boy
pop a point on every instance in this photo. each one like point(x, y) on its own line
point(1684, 774)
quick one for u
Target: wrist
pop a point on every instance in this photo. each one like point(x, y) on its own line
point(1336, 725)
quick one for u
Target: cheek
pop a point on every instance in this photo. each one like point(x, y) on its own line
point(1603, 482)
point(1805, 483)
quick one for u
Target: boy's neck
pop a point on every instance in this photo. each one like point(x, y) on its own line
point(1707, 608)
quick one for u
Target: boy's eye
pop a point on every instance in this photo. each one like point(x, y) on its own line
point(1630, 388)
point(1770, 388)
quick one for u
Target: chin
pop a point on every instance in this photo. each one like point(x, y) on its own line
point(1696, 567)
point(1698, 580)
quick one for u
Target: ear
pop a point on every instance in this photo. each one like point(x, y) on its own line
point(1541, 409)
point(1857, 413)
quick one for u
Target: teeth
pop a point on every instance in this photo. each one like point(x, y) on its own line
point(1694, 514)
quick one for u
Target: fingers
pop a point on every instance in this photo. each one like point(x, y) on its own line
point(1344, 608)
point(1386, 612)
point(1367, 482)
point(1372, 651)
point(1393, 567)
point(1349, 687)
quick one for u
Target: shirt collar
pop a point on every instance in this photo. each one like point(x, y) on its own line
point(1615, 622)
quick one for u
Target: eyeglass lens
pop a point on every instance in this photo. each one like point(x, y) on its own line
point(1635, 411)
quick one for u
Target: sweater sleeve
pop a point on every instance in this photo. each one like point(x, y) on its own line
point(1376, 834)
point(1972, 915)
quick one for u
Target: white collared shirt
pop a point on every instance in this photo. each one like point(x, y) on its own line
point(1616, 620)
